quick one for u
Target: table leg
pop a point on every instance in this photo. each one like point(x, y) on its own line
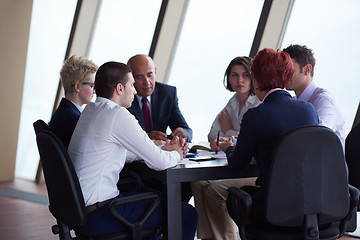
point(172, 210)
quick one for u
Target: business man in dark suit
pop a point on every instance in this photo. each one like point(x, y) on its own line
point(161, 102)
point(156, 108)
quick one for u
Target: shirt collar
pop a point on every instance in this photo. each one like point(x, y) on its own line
point(271, 91)
point(251, 99)
point(77, 106)
point(105, 100)
point(139, 98)
point(308, 92)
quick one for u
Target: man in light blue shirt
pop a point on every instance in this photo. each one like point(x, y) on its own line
point(327, 107)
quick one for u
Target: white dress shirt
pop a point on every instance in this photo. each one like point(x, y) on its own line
point(327, 108)
point(106, 136)
point(233, 108)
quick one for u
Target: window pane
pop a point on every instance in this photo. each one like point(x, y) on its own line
point(123, 29)
point(209, 40)
point(49, 30)
point(333, 34)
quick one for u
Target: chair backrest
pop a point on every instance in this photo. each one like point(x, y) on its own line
point(40, 126)
point(65, 195)
point(307, 177)
point(352, 155)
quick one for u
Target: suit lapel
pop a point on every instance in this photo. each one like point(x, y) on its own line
point(154, 107)
point(135, 110)
point(70, 107)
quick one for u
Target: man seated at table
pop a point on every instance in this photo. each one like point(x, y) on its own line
point(106, 136)
point(156, 108)
point(325, 103)
point(156, 104)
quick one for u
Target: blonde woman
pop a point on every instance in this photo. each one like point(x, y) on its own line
point(77, 77)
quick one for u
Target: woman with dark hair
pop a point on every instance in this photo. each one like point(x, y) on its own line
point(262, 126)
point(214, 220)
point(238, 79)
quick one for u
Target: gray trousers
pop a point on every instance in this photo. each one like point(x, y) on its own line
point(210, 203)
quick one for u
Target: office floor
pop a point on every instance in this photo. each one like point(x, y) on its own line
point(22, 219)
point(30, 219)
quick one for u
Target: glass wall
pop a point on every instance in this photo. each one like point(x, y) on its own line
point(331, 29)
point(214, 32)
point(123, 29)
point(49, 33)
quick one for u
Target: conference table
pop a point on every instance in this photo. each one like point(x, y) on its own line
point(186, 171)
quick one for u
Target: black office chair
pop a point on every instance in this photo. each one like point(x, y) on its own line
point(128, 181)
point(65, 195)
point(40, 126)
point(307, 196)
point(352, 155)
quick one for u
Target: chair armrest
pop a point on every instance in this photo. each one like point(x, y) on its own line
point(128, 184)
point(135, 227)
point(239, 204)
point(354, 196)
point(129, 181)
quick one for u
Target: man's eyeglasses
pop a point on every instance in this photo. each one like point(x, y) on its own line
point(89, 83)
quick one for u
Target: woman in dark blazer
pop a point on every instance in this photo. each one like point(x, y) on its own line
point(77, 77)
point(278, 113)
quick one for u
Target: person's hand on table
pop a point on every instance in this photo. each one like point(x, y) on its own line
point(159, 142)
point(225, 143)
point(213, 143)
point(184, 145)
point(174, 145)
point(157, 135)
point(180, 132)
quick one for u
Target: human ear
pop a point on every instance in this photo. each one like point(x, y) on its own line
point(307, 69)
point(119, 88)
point(77, 87)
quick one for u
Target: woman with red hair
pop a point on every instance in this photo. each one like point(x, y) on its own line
point(278, 113)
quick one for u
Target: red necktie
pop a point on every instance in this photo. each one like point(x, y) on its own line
point(146, 114)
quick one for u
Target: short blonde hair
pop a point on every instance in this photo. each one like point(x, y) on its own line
point(75, 69)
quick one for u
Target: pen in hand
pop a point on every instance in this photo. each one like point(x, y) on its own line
point(217, 142)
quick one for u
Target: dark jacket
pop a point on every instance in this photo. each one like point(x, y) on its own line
point(64, 120)
point(262, 127)
point(165, 110)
